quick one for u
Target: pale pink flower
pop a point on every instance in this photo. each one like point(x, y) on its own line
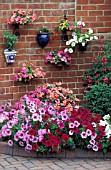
point(84, 135)
point(95, 148)
point(10, 143)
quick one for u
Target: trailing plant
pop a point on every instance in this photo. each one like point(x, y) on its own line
point(58, 57)
point(21, 17)
point(11, 40)
point(28, 72)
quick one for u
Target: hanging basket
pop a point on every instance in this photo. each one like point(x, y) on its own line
point(82, 48)
point(43, 39)
point(10, 56)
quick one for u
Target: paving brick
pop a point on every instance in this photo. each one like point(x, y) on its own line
point(4, 163)
point(1, 167)
point(21, 168)
point(10, 159)
point(9, 168)
point(29, 164)
point(26, 163)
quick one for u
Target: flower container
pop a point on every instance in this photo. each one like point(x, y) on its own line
point(64, 36)
point(43, 39)
point(60, 65)
point(10, 56)
point(82, 48)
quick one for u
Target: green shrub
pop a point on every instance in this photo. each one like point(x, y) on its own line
point(99, 99)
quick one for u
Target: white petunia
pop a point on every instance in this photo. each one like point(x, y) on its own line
point(87, 36)
point(79, 23)
point(73, 44)
point(83, 23)
point(83, 44)
point(95, 37)
point(70, 50)
point(80, 39)
point(90, 31)
point(102, 123)
point(67, 43)
point(106, 117)
point(73, 33)
point(91, 38)
point(66, 50)
point(87, 40)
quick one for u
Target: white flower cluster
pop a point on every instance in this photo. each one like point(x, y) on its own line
point(106, 122)
point(78, 37)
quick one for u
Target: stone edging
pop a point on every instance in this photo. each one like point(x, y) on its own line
point(77, 153)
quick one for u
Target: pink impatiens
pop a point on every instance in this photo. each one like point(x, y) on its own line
point(21, 17)
point(28, 72)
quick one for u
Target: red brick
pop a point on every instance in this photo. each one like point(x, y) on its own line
point(107, 12)
point(103, 30)
point(96, 24)
point(108, 2)
point(52, 19)
point(105, 18)
point(89, 7)
point(18, 6)
point(4, 6)
point(89, 19)
point(4, 96)
point(96, 2)
point(52, 6)
point(108, 24)
point(36, 6)
point(82, 1)
point(95, 13)
point(14, 90)
point(57, 12)
point(81, 13)
point(104, 7)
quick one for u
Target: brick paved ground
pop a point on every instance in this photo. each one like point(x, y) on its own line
point(22, 163)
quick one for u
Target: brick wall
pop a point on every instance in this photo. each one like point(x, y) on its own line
point(96, 14)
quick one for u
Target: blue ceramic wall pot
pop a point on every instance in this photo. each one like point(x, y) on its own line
point(43, 39)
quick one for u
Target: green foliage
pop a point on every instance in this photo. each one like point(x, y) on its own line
point(44, 29)
point(99, 99)
point(101, 69)
point(11, 40)
point(97, 82)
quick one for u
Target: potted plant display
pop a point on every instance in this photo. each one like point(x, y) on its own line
point(20, 18)
point(58, 58)
point(28, 72)
point(10, 52)
point(80, 39)
point(43, 37)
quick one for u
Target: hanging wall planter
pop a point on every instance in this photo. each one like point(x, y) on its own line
point(43, 39)
point(81, 47)
point(10, 52)
point(10, 56)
